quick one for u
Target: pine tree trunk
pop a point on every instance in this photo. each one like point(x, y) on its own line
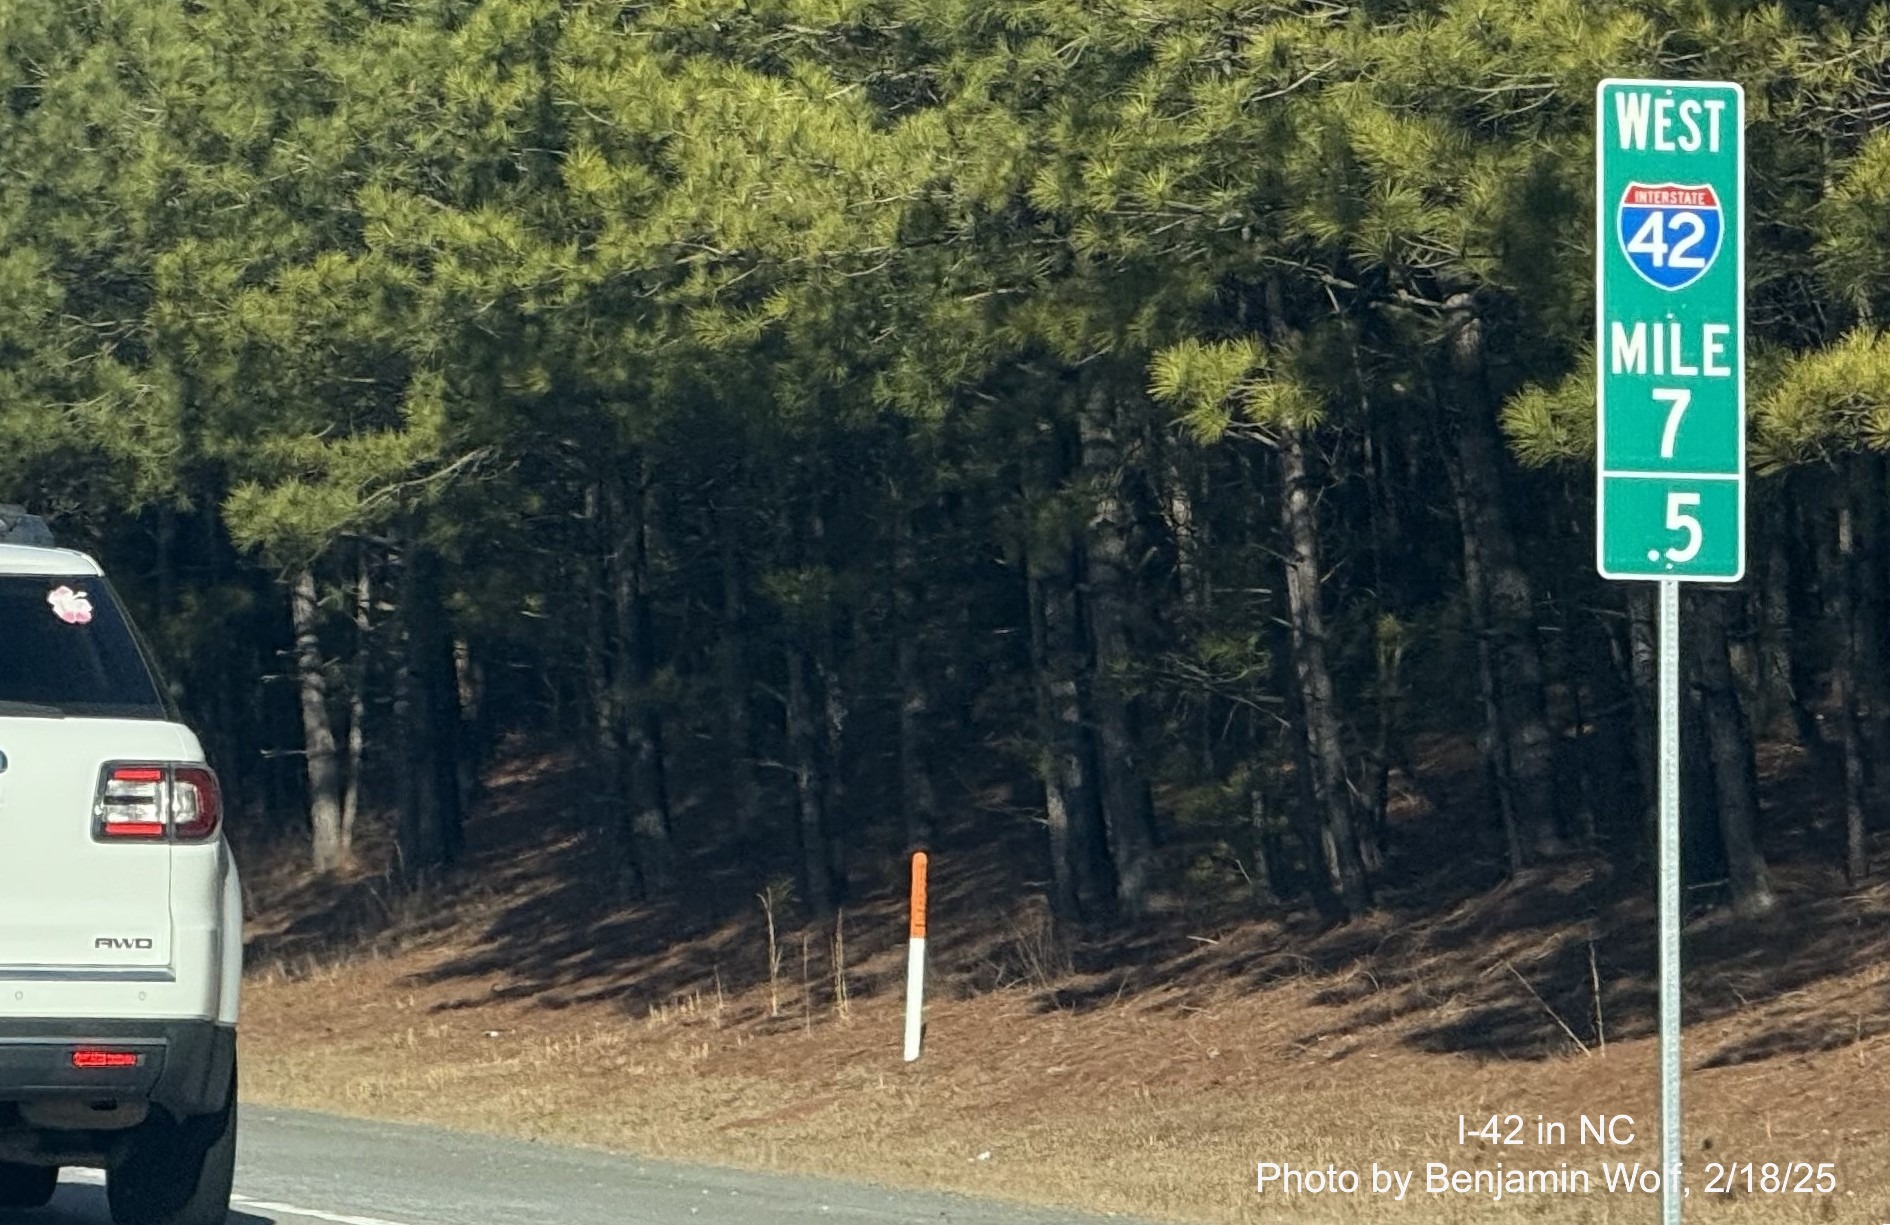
point(1613, 757)
point(737, 685)
point(1324, 821)
point(1376, 798)
point(1375, 826)
point(639, 737)
point(1491, 743)
point(1131, 841)
point(835, 709)
point(443, 726)
point(428, 716)
point(818, 885)
point(1261, 889)
point(1869, 501)
point(1051, 769)
point(1083, 882)
point(1305, 815)
point(1505, 613)
point(1190, 533)
point(1845, 691)
point(914, 696)
point(469, 685)
point(1644, 670)
point(1569, 659)
point(166, 560)
point(1735, 768)
point(601, 664)
point(1809, 566)
point(1776, 699)
point(1319, 703)
point(1743, 644)
point(318, 731)
point(357, 706)
point(416, 852)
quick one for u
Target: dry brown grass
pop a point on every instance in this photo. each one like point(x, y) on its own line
point(1147, 1107)
point(1074, 1081)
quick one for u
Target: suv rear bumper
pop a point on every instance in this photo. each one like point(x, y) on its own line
point(182, 1066)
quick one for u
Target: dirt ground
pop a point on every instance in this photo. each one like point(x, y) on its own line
point(1161, 1075)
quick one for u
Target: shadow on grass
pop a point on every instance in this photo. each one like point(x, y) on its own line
point(1459, 957)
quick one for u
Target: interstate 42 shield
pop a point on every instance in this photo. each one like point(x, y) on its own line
point(1670, 232)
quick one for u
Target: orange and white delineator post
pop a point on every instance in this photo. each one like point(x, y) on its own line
point(915, 960)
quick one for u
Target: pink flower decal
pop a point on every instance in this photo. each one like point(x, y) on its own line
point(70, 606)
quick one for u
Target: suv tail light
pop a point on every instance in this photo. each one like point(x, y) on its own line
point(140, 802)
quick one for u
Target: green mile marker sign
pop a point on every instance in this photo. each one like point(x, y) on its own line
point(1670, 323)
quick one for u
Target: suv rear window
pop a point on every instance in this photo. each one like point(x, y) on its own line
point(67, 649)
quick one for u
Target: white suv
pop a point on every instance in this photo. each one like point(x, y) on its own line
point(120, 911)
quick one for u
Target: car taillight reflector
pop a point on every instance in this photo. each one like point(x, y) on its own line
point(150, 803)
point(105, 1059)
point(132, 802)
point(133, 829)
point(198, 802)
point(138, 774)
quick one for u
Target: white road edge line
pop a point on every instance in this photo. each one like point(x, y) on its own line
point(333, 1218)
point(97, 1178)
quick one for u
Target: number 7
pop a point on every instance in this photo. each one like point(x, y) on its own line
point(1676, 399)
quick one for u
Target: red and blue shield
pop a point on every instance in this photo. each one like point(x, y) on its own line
point(1670, 232)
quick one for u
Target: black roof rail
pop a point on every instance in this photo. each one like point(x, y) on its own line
point(18, 527)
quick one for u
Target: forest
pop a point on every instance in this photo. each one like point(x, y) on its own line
point(1175, 414)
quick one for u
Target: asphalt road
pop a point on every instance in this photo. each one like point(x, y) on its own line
point(308, 1169)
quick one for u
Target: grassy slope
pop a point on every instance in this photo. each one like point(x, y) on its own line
point(1149, 1076)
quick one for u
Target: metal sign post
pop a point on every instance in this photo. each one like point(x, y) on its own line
point(1670, 901)
point(1670, 429)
